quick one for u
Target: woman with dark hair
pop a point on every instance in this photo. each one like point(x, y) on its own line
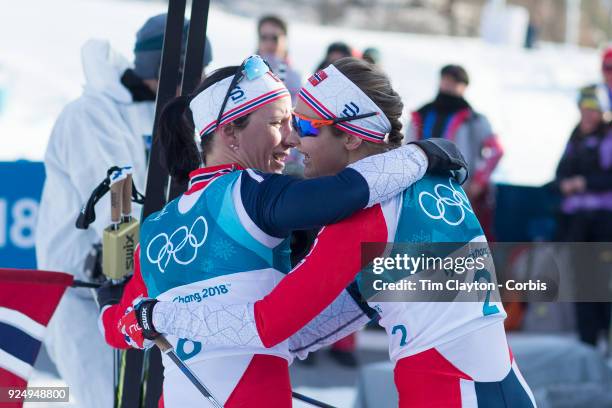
point(225, 240)
point(446, 354)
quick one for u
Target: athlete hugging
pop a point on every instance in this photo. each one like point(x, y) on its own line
point(213, 265)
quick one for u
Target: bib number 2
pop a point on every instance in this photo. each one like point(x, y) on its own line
point(402, 329)
point(487, 308)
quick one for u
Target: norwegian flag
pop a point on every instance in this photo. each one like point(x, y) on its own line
point(28, 299)
point(317, 78)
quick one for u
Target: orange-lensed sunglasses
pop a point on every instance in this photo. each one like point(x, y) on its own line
point(306, 126)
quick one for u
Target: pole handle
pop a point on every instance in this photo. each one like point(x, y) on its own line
point(116, 190)
point(126, 199)
point(163, 344)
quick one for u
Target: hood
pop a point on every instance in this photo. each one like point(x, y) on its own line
point(103, 68)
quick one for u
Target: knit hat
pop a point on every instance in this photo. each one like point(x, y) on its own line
point(372, 55)
point(148, 47)
point(588, 99)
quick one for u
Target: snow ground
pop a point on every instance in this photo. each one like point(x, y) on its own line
point(528, 95)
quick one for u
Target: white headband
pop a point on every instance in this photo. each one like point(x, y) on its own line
point(247, 96)
point(331, 94)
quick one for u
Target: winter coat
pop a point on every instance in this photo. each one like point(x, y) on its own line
point(102, 128)
point(454, 119)
point(589, 156)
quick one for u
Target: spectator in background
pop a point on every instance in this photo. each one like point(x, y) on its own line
point(272, 46)
point(372, 55)
point(334, 52)
point(451, 117)
point(109, 124)
point(584, 177)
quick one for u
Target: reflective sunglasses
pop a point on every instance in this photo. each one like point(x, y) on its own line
point(252, 68)
point(306, 126)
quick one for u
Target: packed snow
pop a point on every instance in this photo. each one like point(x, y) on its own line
point(529, 96)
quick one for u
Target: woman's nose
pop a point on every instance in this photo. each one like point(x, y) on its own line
point(290, 136)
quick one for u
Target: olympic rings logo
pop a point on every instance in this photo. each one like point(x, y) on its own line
point(446, 196)
point(179, 245)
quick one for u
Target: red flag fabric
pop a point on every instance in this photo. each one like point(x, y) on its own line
point(28, 299)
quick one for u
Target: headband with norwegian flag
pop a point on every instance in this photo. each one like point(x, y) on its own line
point(331, 95)
point(247, 96)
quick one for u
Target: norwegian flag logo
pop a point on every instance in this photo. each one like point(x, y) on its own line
point(317, 78)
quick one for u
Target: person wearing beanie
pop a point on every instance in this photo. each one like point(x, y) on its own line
point(584, 178)
point(335, 51)
point(109, 124)
point(372, 55)
point(450, 116)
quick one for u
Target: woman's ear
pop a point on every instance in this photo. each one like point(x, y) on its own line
point(352, 142)
point(229, 136)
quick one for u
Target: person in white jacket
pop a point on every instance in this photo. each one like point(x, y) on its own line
point(109, 124)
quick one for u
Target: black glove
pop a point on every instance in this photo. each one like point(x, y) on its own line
point(444, 157)
point(109, 293)
point(144, 315)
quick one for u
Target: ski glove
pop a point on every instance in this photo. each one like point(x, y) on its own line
point(443, 156)
point(110, 292)
point(136, 324)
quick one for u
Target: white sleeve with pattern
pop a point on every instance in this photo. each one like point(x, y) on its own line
point(389, 173)
point(215, 324)
point(341, 318)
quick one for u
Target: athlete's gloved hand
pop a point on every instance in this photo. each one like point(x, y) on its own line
point(137, 324)
point(110, 292)
point(443, 156)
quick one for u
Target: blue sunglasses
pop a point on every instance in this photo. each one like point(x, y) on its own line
point(305, 126)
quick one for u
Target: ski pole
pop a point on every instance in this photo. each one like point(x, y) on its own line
point(310, 401)
point(163, 345)
point(168, 350)
point(82, 284)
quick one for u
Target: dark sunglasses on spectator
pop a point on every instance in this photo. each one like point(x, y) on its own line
point(268, 37)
